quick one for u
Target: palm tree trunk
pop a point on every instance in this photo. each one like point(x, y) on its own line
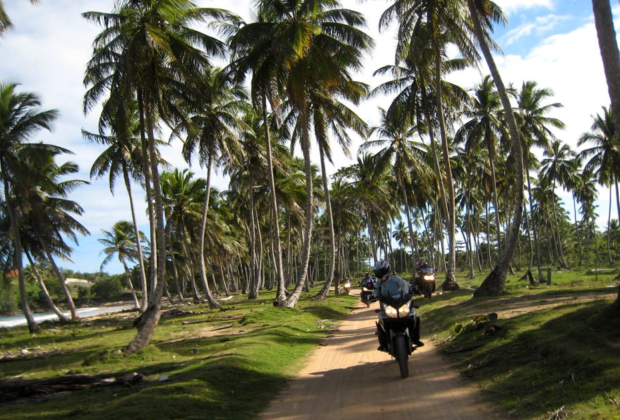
point(331, 249)
point(144, 299)
point(46, 294)
point(279, 269)
point(33, 326)
point(61, 279)
point(608, 45)
point(133, 292)
point(307, 239)
point(495, 282)
point(532, 221)
point(213, 304)
point(150, 317)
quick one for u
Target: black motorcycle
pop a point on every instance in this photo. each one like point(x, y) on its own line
point(397, 320)
point(367, 286)
point(426, 281)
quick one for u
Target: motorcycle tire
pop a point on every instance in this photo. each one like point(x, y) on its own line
point(400, 350)
point(428, 292)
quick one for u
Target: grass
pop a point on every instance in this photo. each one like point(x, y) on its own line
point(229, 366)
point(555, 351)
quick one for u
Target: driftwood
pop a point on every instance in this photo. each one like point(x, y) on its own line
point(13, 389)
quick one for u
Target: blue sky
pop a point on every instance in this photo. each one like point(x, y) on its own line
point(550, 41)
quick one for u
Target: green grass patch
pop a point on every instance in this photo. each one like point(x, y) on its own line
point(226, 364)
point(552, 349)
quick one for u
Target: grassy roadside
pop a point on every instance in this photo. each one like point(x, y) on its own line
point(546, 352)
point(225, 364)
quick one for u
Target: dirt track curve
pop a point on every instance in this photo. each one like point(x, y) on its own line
point(347, 378)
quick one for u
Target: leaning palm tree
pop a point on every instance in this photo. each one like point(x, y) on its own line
point(608, 45)
point(149, 52)
point(483, 14)
point(19, 120)
point(121, 242)
point(49, 212)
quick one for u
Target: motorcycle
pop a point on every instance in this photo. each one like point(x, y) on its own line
point(426, 281)
point(367, 286)
point(347, 286)
point(397, 317)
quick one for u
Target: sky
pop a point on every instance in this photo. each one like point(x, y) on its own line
point(552, 42)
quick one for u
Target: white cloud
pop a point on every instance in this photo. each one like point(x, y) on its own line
point(512, 6)
point(539, 27)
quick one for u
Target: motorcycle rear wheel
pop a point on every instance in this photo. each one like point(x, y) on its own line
point(400, 350)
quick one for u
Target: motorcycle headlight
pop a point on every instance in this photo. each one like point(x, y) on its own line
point(429, 277)
point(365, 289)
point(394, 313)
point(347, 285)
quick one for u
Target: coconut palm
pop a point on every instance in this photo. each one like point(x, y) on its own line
point(149, 52)
point(608, 46)
point(308, 43)
point(560, 165)
point(19, 120)
point(213, 130)
point(121, 242)
point(484, 14)
point(603, 157)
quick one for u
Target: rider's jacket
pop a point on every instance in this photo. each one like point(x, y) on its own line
point(390, 285)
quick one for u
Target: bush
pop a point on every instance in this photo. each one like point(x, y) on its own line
point(107, 288)
point(85, 295)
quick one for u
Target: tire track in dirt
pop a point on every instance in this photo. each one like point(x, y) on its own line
point(349, 379)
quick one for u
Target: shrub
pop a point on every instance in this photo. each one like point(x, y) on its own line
point(107, 288)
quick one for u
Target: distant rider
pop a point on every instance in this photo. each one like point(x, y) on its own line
point(383, 277)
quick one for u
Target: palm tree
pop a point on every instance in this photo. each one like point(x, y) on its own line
point(47, 211)
point(435, 23)
point(123, 156)
point(485, 127)
point(149, 52)
point(213, 130)
point(19, 120)
point(534, 126)
point(608, 45)
point(309, 43)
point(121, 241)
point(603, 157)
point(559, 166)
point(484, 14)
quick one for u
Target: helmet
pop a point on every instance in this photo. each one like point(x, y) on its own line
point(382, 268)
point(421, 264)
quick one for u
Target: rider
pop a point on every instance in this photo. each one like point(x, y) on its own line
point(382, 271)
point(420, 265)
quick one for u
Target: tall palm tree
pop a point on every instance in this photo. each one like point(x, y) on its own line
point(213, 130)
point(559, 166)
point(435, 23)
point(608, 45)
point(484, 14)
point(121, 242)
point(535, 130)
point(19, 120)
point(603, 157)
point(149, 52)
point(122, 156)
point(48, 211)
point(485, 126)
point(308, 43)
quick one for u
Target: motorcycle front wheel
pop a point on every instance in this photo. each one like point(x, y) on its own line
point(428, 291)
point(400, 350)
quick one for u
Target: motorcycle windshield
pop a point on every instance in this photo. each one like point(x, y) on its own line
point(393, 292)
point(427, 271)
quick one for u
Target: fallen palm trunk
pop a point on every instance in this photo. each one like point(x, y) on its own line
point(13, 389)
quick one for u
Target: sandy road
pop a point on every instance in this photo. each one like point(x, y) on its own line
point(348, 378)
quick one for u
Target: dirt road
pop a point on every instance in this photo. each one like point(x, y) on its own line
point(348, 378)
